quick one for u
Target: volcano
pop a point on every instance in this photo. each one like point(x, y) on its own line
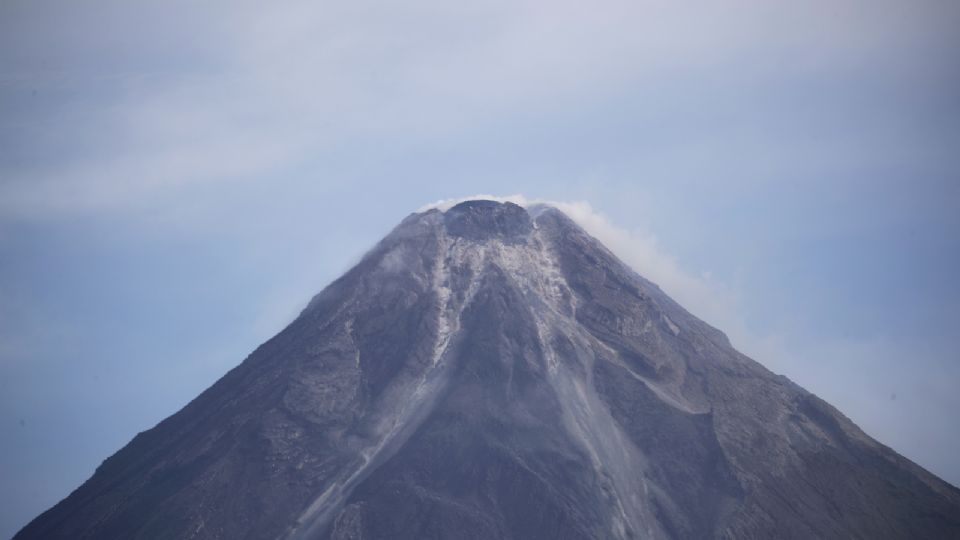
point(492, 371)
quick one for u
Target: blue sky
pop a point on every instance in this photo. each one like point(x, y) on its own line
point(177, 180)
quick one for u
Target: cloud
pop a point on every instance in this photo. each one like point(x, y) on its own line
point(249, 94)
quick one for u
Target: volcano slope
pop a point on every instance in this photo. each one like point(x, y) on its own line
point(491, 371)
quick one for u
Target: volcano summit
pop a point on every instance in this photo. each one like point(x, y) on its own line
point(492, 371)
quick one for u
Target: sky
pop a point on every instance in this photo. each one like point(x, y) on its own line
point(178, 178)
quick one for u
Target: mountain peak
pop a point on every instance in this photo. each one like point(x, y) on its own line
point(484, 219)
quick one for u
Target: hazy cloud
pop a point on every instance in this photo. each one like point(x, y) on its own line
point(237, 91)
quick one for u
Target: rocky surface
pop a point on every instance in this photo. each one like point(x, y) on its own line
point(494, 372)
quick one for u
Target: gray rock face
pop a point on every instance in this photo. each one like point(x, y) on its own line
point(482, 373)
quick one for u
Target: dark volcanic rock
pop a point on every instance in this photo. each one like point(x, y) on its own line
point(483, 220)
point(482, 374)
